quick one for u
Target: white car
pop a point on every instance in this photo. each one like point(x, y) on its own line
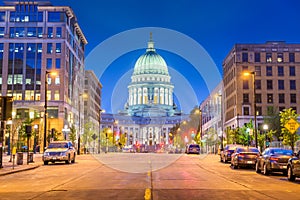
point(59, 151)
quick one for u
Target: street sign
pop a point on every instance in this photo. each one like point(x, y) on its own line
point(292, 126)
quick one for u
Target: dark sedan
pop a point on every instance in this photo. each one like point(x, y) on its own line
point(273, 160)
point(293, 167)
point(244, 157)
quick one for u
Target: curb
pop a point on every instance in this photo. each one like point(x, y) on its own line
point(19, 170)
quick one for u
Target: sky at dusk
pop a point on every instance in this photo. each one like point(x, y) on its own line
point(118, 31)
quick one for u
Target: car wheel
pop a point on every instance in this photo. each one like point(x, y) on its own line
point(290, 175)
point(257, 167)
point(45, 162)
point(73, 161)
point(265, 171)
point(69, 160)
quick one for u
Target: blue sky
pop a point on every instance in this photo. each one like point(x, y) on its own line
point(216, 25)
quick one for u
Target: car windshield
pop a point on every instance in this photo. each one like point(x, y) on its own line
point(194, 146)
point(57, 145)
point(281, 152)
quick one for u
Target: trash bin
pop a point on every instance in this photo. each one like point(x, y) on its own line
point(19, 158)
point(30, 157)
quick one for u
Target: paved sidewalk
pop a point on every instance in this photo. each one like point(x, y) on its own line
point(8, 167)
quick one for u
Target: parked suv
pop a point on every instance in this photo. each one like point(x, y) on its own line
point(59, 151)
point(293, 167)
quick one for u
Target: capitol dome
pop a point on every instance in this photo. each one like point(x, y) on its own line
point(150, 62)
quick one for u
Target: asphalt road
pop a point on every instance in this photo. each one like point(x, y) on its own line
point(145, 176)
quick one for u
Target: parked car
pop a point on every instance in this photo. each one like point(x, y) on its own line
point(128, 149)
point(244, 156)
point(293, 167)
point(273, 160)
point(192, 148)
point(59, 151)
point(225, 154)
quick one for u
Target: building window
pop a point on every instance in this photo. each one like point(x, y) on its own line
point(292, 57)
point(49, 47)
point(269, 98)
point(49, 63)
point(50, 32)
point(292, 84)
point(280, 57)
point(293, 98)
point(244, 57)
point(280, 84)
point(281, 108)
point(269, 71)
point(268, 57)
point(269, 84)
point(58, 32)
point(280, 71)
point(256, 57)
point(1, 32)
point(57, 63)
point(245, 84)
point(257, 98)
point(57, 80)
point(58, 48)
point(246, 110)
point(245, 98)
point(40, 32)
point(56, 95)
point(257, 71)
point(292, 71)
point(281, 98)
point(258, 84)
point(56, 16)
point(2, 16)
point(258, 110)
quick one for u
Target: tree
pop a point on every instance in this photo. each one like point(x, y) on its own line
point(72, 134)
point(288, 137)
point(273, 120)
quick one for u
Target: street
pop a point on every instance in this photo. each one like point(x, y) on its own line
point(145, 176)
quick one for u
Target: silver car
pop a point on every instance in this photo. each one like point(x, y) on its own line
point(59, 151)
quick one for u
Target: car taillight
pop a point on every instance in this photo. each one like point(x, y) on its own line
point(241, 155)
point(274, 159)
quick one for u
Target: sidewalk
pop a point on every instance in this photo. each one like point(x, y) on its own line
point(8, 166)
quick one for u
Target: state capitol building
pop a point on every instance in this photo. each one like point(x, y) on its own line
point(150, 112)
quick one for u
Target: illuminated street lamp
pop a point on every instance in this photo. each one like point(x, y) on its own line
point(254, 103)
point(45, 107)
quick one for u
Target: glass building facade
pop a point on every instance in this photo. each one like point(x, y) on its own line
point(37, 38)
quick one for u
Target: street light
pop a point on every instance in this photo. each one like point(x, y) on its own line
point(45, 107)
point(254, 103)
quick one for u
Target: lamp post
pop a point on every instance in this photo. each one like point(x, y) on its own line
point(45, 107)
point(79, 123)
point(254, 103)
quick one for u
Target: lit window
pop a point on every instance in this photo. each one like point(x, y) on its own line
point(56, 95)
point(48, 95)
point(58, 48)
point(269, 57)
point(57, 81)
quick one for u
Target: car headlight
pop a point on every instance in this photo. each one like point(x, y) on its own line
point(63, 153)
point(46, 154)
